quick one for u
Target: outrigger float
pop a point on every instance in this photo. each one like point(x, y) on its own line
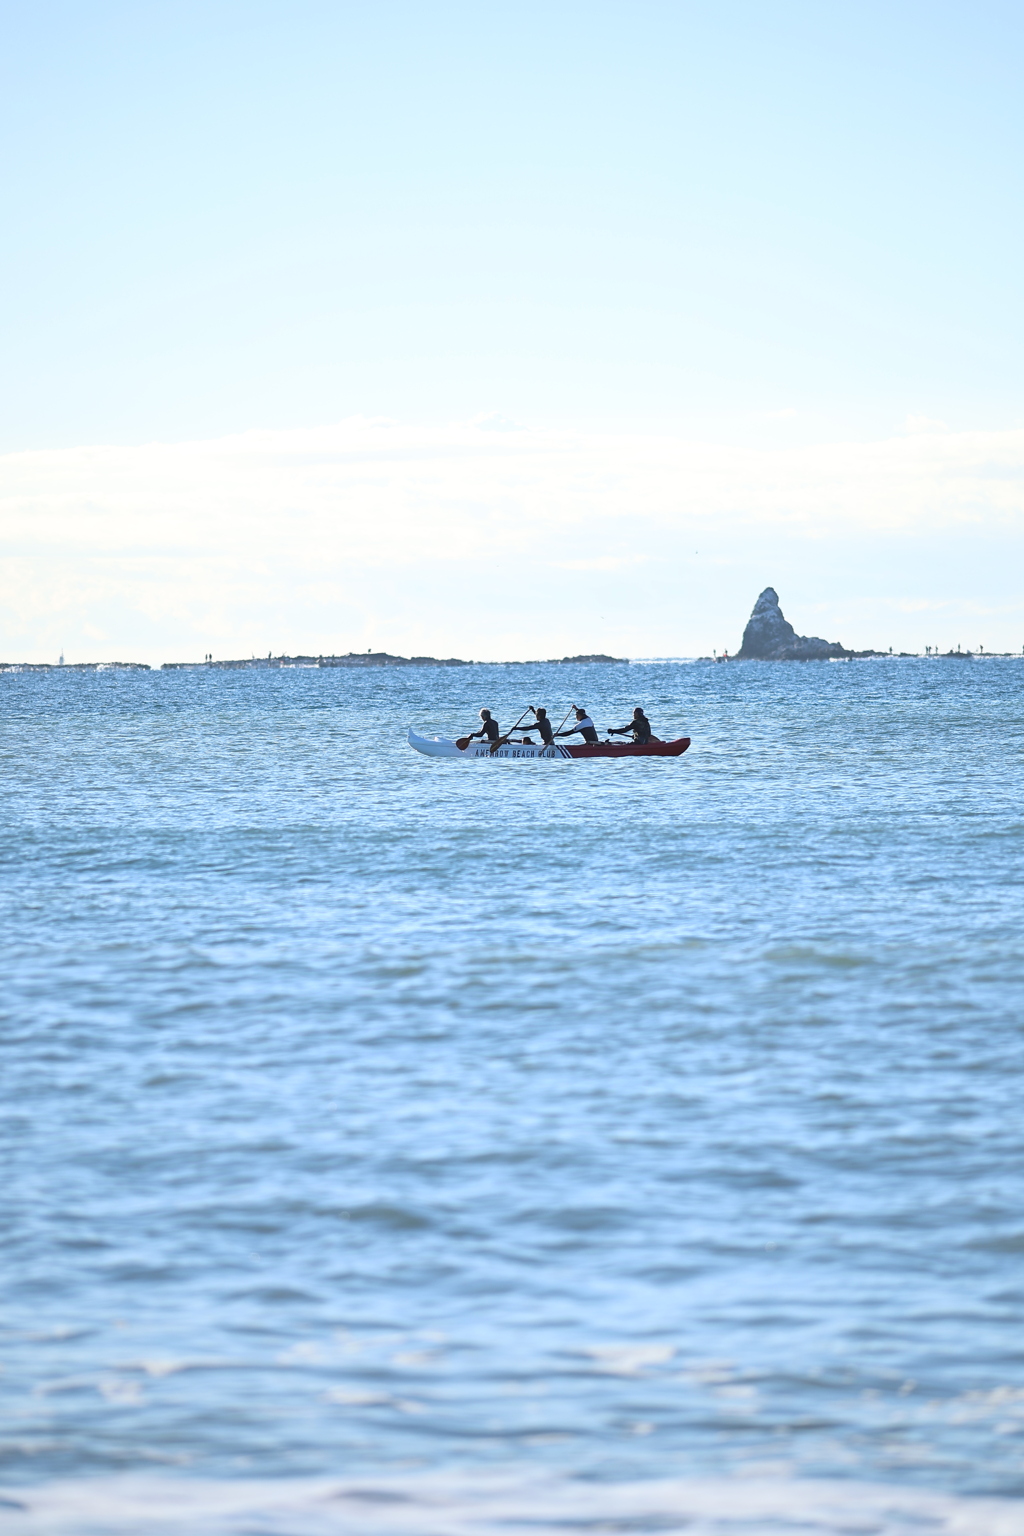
point(440, 746)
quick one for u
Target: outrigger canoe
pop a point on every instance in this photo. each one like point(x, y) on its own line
point(439, 746)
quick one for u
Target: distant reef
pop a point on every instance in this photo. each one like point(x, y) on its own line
point(567, 661)
point(264, 663)
point(352, 659)
point(368, 659)
point(73, 666)
point(770, 637)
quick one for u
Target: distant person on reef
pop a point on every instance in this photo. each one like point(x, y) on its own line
point(639, 725)
point(584, 726)
point(543, 725)
point(488, 729)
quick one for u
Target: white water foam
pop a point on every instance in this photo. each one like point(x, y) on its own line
point(489, 1505)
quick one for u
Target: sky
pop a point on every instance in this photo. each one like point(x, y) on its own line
point(505, 331)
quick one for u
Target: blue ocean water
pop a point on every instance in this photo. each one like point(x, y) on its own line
point(371, 1115)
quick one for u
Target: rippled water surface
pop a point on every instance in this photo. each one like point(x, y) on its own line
point(371, 1115)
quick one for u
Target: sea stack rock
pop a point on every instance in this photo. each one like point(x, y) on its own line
point(770, 637)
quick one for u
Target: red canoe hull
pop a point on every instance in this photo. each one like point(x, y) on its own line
point(629, 749)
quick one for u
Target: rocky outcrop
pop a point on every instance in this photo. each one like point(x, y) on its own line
point(770, 637)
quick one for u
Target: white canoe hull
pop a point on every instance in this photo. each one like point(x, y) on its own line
point(439, 746)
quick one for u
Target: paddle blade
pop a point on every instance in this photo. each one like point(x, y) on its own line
point(462, 743)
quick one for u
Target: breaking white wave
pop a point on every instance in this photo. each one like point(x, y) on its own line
point(488, 1505)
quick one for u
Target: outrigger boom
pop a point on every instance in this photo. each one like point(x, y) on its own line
point(440, 746)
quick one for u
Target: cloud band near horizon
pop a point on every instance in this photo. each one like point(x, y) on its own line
point(482, 540)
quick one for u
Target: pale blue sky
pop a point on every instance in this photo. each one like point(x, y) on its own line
point(681, 217)
point(745, 279)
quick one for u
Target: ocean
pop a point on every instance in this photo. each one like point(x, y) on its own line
point(392, 1144)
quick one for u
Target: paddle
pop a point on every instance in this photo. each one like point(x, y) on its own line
point(502, 740)
point(566, 716)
